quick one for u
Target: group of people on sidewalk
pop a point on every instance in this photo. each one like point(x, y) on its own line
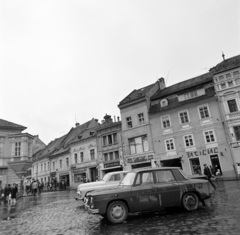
point(9, 194)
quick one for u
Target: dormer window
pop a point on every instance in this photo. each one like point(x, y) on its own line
point(164, 103)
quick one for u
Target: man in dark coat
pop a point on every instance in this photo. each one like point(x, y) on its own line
point(14, 191)
point(208, 173)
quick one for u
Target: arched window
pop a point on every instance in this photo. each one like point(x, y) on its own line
point(164, 102)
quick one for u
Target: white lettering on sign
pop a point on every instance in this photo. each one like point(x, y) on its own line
point(202, 152)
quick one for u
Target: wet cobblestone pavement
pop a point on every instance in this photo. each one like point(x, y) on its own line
point(58, 213)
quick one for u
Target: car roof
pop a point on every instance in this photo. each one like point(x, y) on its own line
point(154, 169)
point(116, 172)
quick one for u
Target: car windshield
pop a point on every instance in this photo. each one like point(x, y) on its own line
point(105, 177)
point(128, 179)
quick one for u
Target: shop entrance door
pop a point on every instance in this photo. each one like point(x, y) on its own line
point(216, 164)
point(94, 174)
point(195, 166)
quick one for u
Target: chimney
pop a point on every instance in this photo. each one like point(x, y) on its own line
point(77, 124)
point(223, 56)
point(161, 83)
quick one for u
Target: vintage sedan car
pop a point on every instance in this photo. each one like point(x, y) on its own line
point(109, 180)
point(148, 189)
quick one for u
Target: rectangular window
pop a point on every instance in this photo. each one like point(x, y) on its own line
point(223, 85)
point(18, 149)
point(232, 105)
point(105, 157)
point(115, 138)
point(138, 144)
point(48, 166)
point(204, 113)
point(129, 122)
point(188, 140)
point(116, 155)
point(184, 117)
point(209, 136)
point(41, 167)
point(75, 158)
point(82, 157)
point(45, 166)
point(92, 154)
point(53, 165)
point(111, 156)
point(237, 132)
point(235, 74)
point(104, 140)
point(169, 144)
point(60, 163)
point(109, 139)
point(166, 122)
point(230, 83)
point(141, 118)
point(67, 161)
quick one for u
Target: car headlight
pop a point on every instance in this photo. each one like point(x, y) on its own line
point(91, 200)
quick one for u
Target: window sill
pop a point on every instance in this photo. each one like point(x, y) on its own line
point(167, 130)
point(206, 121)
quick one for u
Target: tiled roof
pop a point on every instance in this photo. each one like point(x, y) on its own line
point(4, 123)
point(174, 102)
point(70, 137)
point(136, 94)
point(228, 64)
point(179, 87)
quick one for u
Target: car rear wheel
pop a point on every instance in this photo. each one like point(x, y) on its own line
point(117, 212)
point(190, 201)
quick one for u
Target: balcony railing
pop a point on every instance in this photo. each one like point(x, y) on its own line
point(233, 115)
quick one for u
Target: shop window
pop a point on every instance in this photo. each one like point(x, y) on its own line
point(169, 144)
point(138, 144)
point(204, 112)
point(141, 118)
point(195, 166)
point(232, 105)
point(237, 132)
point(129, 122)
point(188, 141)
point(209, 136)
point(183, 117)
point(79, 177)
point(166, 122)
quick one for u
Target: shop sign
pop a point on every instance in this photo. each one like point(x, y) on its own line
point(111, 164)
point(52, 174)
point(202, 152)
point(235, 145)
point(79, 170)
point(140, 159)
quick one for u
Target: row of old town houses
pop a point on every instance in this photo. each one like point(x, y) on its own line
point(186, 125)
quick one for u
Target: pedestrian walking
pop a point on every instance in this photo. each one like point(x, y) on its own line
point(34, 188)
point(7, 191)
point(1, 191)
point(208, 173)
point(14, 191)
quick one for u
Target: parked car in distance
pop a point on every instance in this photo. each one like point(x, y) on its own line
point(148, 189)
point(109, 180)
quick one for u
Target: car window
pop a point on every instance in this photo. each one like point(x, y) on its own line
point(115, 177)
point(164, 176)
point(144, 178)
point(179, 175)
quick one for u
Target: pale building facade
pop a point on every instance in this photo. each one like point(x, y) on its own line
point(227, 87)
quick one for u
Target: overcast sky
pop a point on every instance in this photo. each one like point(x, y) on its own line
point(61, 59)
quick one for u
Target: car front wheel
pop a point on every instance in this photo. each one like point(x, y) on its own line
point(117, 212)
point(190, 201)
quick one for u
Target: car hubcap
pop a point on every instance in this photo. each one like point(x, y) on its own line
point(117, 212)
point(190, 201)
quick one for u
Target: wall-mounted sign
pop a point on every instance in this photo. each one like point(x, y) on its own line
point(79, 170)
point(111, 164)
point(202, 152)
point(140, 159)
point(235, 145)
